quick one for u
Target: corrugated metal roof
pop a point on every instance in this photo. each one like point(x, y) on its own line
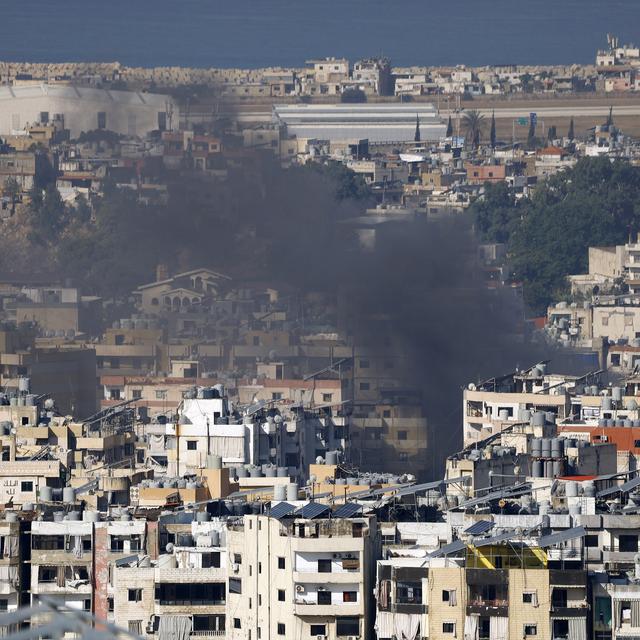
point(483, 542)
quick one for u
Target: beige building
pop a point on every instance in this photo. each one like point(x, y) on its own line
point(301, 577)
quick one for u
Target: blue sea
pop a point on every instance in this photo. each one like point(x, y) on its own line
point(254, 33)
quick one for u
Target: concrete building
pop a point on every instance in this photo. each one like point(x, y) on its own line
point(84, 109)
point(301, 577)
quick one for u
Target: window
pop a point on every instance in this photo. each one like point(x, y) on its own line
point(591, 540)
point(102, 120)
point(259, 563)
point(349, 596)
point(161, 394)
point(628, 543)
point(280, 562)
point(324, 566)
point(324, 597)
point(26, 485)
point(110, 603)
point(281, 595)
point(445, 595)
point(386, 413)
point(364, 364)
point(235, 585)
point(192, 445)
point(237, 558)
point(364, 386)
point(259, 599)
point(527, 598)
point(559, 598)
point(449, 627)
point(347, 626)
point(136, 394)
point(281, 629)
point(135, 595)
point(236, 623)
point(530, 630)
point(402, 435)
point(326, 397)
point(276, 395)
point(86, 605)
point(403, 457)
point(318, 630)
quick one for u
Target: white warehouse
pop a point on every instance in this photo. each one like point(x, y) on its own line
point(85, 109)
point(376, 122)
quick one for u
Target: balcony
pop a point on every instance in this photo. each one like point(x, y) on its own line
point(569, 612)
point(200, 635)
point(613, 555)
point(491, 608)
point(302, 608)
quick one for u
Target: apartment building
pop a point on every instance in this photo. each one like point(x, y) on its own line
point(299, 573)
point(181, 593)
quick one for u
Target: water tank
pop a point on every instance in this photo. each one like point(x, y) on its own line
point(550, 417)
point(125, 516)
point(352, 480)
point(503, 415)
point(270, 471)
point(46, 494)
point(241, 472)
point(544, 507)
point(91, 516)
point(616, 393)
point(558, 468)
point(610, 422)
point(619, 422)
point(331, 457)
point(30, 400)
point(167, 561)
point(207, 394)
point(283, 472)
point(557, 447)
point(571, 489)
point(11, 516)
point(537, 469)
point(292, 491)
point(145, 562)
point(68, 495)
point(24, 384)
point(546, 447)
point(219, 389)
point(27, 506)
point(13, 401)
point(74, 516)
point(279, 492)
point(602, 422)
point(589, 489)
point(58, 516)
point(215, 538)
point(202, 516)
point(607, 403)
point(21, 401)
point(341, 481)
point(538, 419)
point(184, 540)
point(594, 389)
point(255, 472)
point(214, 461)
point(536, 447)
point(548, 469)
point(192, 485)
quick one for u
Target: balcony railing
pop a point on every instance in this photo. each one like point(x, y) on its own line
point(207, 634)
point(479, 602)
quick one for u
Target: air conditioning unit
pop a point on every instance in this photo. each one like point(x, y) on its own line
point(299, 588)
point(149, 628)
point(236, 567)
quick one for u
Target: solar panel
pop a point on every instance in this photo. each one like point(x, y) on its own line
point(483, 542)
point(312, 510)
point(561, 536)
point(281, 510)
point(630, 484)
point(347, 510)
point(448, 549)
point(507, 492)
point(480, 527)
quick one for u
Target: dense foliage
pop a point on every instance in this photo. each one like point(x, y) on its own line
point(596, 203)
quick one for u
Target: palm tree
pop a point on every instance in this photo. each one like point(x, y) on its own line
point(473, 125)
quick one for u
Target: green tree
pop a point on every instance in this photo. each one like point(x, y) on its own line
point(531, 135)
point(473, 125)
point(552, 133)
point(492, 134)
